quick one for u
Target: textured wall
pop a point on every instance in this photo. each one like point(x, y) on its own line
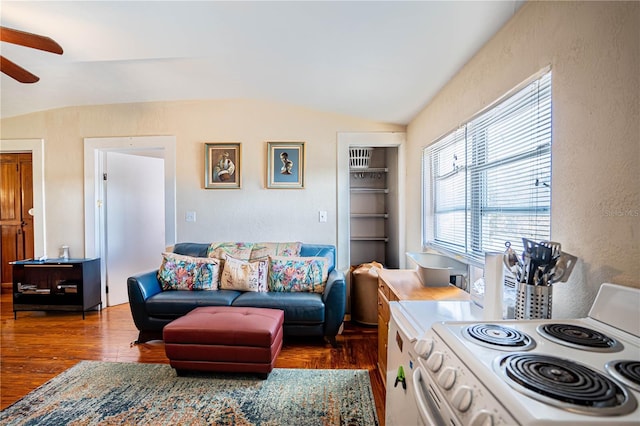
point(593, 49)
point(251, 213)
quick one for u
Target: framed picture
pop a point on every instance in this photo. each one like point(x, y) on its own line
point(285, 165)
point(222, 165)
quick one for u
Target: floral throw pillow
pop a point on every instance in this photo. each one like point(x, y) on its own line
point(240, 251)
point(264, 250)
point(298, 274)
point(244, 276)
point(179, 272)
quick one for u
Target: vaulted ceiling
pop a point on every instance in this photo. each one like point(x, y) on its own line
point(379, 60)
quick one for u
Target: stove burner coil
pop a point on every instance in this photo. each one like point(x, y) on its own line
point(579, 337)
point(626, 371)
point(499, 337)
point(565, 384)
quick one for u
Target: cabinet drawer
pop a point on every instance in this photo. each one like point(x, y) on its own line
point(383, 307)
point(383, 288)
point(383, 336)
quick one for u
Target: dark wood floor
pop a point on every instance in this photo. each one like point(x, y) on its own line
point(38, 346)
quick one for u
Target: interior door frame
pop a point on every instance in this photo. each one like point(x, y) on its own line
point(366, 139)
point(94, 153)
point(36, 148)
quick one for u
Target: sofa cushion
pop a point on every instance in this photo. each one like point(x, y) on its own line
point(172, 304)
point(191, 249)
point(297, 274)
point(179, 272)
point(244, 276)
point(299, 308)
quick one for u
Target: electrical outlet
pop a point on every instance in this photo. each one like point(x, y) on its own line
point(322, 216)
point(190, 216)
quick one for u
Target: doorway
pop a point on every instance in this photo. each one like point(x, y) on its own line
point(97, 152)
point(393, 142)
point(373, 227)
point(394, 223)
point(16, 211)
point(133, 209)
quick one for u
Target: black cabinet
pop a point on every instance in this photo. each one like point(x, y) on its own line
point(56, 285)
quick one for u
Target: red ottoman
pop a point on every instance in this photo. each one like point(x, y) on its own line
point(225, 339)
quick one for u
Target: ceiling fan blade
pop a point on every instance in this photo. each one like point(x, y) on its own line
point(16, 71)
point(26, 39)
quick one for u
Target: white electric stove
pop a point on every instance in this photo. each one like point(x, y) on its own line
point(534, 372)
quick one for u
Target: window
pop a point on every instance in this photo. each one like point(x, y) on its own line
point(490, 180)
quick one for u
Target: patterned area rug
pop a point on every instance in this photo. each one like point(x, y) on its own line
point(92, 393)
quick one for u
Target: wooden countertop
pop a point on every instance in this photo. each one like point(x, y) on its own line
point(407, 286)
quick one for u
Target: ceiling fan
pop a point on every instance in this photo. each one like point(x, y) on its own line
point(26, 39)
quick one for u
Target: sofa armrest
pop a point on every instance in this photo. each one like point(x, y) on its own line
point(141, 287)
point(335, 301)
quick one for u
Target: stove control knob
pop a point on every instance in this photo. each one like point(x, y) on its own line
point(447, 378)
point(434, 362)
point(462, 398)
point(482, 418)
point(424, 347)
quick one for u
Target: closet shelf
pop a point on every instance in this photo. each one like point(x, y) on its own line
point(370, 170)
point(369, 215)
point(385, 239)
point(370, 190)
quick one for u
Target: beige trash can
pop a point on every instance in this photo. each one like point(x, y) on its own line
point(364, 294)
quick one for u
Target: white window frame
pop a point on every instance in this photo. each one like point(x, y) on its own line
point(481, 223)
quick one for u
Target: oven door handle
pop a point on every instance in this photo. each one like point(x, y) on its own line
point(421, 400)
point(406, 327)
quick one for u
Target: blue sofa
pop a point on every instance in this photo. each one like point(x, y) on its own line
point(305, 314)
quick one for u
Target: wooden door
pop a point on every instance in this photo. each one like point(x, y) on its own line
point(16, 200)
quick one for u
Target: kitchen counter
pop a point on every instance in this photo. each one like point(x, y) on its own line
point(405, 285)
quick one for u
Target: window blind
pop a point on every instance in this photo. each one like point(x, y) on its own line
point(448, 167)
point(489, 181)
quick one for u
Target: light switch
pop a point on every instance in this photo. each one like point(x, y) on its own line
point(190, 216)
point(322, 216)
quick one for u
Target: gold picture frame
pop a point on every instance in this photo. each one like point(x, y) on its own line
point(285, 165)
point(222, 165)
